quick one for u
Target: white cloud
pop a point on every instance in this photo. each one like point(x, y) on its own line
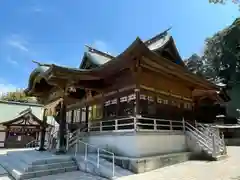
point(11, 61)
point(37, 10)
point(101, 45)
point(18, 42)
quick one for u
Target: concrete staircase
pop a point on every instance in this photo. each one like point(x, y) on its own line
point(103, 170)
point(31, 164)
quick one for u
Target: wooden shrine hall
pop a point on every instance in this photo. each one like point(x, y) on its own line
point(107, 93)
point(22, 129)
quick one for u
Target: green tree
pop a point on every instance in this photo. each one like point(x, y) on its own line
point(18, 96)
point(224, 1)
point(221, 58)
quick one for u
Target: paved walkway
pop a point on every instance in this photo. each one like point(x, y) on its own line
point(227, 169)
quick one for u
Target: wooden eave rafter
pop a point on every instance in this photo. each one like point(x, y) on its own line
point(199, 94)
point(63, 76)
point(160, 63)
point(124, 60)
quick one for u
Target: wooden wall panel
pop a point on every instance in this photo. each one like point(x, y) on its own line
point(121, 80)
point(163, 82)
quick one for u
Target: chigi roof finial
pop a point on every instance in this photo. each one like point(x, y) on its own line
point(166, 31)
point(40, 64)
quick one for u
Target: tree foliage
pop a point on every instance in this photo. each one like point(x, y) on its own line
point(17, 96)
point(221, 59)
point(224, 1)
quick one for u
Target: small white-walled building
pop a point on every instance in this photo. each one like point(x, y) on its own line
point(20, 123)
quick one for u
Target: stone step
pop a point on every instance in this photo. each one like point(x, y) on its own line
point(50, 166)
point(51, 160)
point(22, 165)
point(10, 163)
point(28, 175)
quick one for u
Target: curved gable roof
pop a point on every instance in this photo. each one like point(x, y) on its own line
point(165, 42)
point(93, 58)
point(161, 43)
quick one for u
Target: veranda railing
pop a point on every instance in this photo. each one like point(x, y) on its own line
point(136, 123)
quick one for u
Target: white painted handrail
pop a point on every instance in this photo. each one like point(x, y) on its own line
point(135, 123)
point(99, 150)
point(219, 141)
point(50, 140)
point(34, 143)
point(208, 141)
point(30, 144)
point(209, 131)
point(76, 135)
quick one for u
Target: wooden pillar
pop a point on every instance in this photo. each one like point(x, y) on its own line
point(62, 129)
point(72, 116)
point(43, 132)
point(6, 136)
point(118, 105)
point(155, 104)
point(87, 114)
point(103, 106)
point(80, 115)
point(137, 111)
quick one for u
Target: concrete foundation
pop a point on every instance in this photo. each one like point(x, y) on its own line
point(139, 144)
point(141, 165)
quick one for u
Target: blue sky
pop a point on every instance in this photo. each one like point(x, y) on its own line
point(56, 31)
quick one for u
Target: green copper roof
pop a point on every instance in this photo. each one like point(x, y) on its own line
point(94, 58)
point(97, 58)
point(36, 74)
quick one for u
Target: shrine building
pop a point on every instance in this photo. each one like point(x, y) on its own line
point(20, 123)
point(139, 97)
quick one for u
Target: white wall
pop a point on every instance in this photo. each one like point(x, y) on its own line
point(192, 143)
point(9, 110)
point(140, 144)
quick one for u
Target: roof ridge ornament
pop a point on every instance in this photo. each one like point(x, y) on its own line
point(40, 64)
point(92, 49)
point(158, 36)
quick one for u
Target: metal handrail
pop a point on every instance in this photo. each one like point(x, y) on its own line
point(209, 144)
point(209, 130)
point(195, 129)
point(219, 141)
point(76, 136)
point(98, 154)
point(212, 145)
point(51, 139)
point(28, 145)
point(202, 142)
